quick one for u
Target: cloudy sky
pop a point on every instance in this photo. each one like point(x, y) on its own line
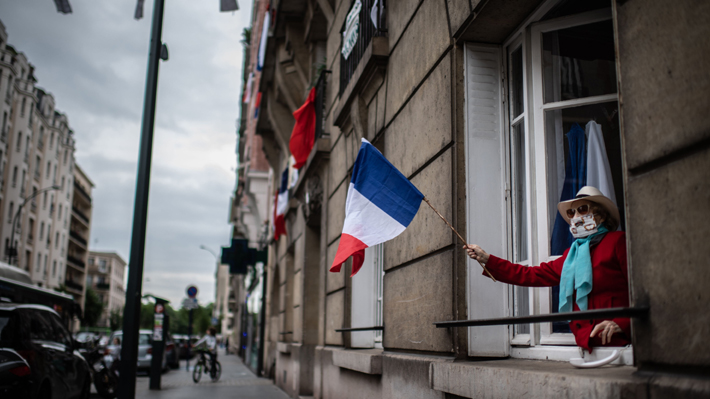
point(94, 63)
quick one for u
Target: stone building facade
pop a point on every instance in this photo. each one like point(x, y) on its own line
point(471, 101)
point(105, 276)
point(37, 179)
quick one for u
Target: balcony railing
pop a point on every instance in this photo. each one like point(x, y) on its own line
point(37, 175)
point(30, 239)
point(78, 237)
point(76, 261)
point(366, 32)
point(81, 190)
point(40, 145)
point(73, 285)
point(33, 207)
point(103, 286)
point(81, 214)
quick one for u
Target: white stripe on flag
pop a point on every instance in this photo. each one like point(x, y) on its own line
point(282, 204)
point(366, 222)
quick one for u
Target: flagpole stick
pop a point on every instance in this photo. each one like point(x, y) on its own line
point(459, 235)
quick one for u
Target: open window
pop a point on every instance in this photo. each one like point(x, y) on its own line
point(531, 106)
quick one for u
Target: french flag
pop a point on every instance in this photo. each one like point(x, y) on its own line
point(280, 207)
point(381, 203)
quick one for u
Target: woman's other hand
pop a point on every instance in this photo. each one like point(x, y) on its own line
point(605, 330)
point(477, 253)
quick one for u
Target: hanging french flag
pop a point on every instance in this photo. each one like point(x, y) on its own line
point(381, 203)
point(280, 207)
point(257, 104)
point(264, 38)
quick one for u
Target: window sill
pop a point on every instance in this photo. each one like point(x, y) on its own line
point(283, 347)
point(530, 378)
point(367, 361)
point(565, 353)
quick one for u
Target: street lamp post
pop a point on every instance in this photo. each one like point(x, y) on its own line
point(12, 251)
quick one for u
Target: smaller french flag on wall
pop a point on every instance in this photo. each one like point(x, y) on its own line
point(280, 207)
point(381, 203)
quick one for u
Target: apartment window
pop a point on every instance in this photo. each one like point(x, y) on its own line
point(27, 148)
point(19, 142)
point(91, 261)
point(22, 109)
point(62, 183)
point(44, 200)
point(10, 213)
point(41, 231)
point(40, 139)
point(38, 165)
point(56, 240)
point(29, 120)
point(558, 73)
point(39, 263)
point(44, 270)
point(54, 269)
point(66, 154)
point(14, 176)
point(51, 140)
point(59, 213)
point(54, 175)
point(49, 169)
point(102, 265)
point(22, 183)
point(367, 310)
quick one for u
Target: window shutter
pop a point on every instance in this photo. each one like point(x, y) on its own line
point(363, 302)
point(485, 195)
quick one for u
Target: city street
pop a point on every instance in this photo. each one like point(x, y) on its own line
point(237, 381)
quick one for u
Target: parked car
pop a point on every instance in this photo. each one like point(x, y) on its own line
point(145, 348)
point(37, 335)
point(14, 374)
point(171, 353)
point(181, 343)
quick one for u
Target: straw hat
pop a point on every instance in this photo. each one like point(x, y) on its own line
point(591, 194)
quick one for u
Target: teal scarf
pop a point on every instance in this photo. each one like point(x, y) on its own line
point(577, 273)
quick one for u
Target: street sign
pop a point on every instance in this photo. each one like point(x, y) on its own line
point(189, 303)
point(191, 291)
point(158, 325)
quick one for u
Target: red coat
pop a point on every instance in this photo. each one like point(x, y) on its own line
point(610, 285)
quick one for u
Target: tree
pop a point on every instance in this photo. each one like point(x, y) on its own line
point(93, 308)
point(115, 319)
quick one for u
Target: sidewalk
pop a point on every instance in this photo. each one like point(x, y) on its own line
point(237, 381)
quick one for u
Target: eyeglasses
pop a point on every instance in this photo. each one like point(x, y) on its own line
point(582, 210)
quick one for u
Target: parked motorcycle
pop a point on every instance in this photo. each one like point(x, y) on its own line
point(104, 371)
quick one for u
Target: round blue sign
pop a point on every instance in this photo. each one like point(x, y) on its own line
point(192, 291)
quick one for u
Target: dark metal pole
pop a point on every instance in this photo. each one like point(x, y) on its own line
point(189, 340)
point(131, 321)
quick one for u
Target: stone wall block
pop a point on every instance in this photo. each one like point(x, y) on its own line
point(336, 211)
point(407, 377)
point(341, 383)
point(415, 297)
point(423, 127)
point(338, 164)
point(421, 45)
point(334, 311)
point(664, 90)
point(427, 232)
point(669, 261)
point(398, 15)
point(459, 10)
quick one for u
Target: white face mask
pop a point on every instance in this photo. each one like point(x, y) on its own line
point(583, 226)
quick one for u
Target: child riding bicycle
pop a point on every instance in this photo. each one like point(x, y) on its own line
point(210, 343)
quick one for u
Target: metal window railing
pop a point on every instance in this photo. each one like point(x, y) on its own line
point(366, 32)
point(632, 312)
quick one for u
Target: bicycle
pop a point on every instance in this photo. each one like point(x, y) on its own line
point(203, 366)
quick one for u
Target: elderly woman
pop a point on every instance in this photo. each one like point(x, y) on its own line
point(592, 273)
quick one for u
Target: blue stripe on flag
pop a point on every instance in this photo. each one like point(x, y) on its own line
point(385, 186)
point(284, 181)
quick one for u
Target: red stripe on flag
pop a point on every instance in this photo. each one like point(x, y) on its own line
point(349, 246)
point(279, 220)
point(304, 130)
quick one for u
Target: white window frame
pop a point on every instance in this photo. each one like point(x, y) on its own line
point(540, 343)
point(366, 311)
